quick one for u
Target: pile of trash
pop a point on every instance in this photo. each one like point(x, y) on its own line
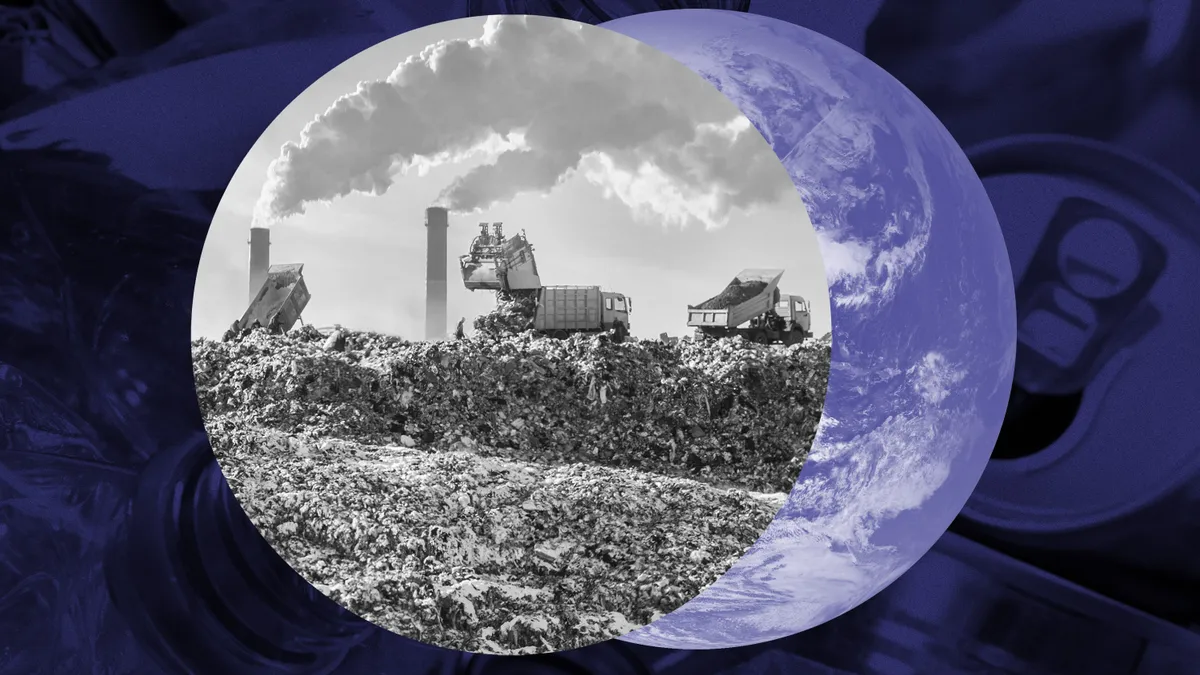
point(509, 492)
point(724, 411)
point(737, 292)
point(513, 314)
point(486, 554)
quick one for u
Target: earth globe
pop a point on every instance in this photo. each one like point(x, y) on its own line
point(924, 324)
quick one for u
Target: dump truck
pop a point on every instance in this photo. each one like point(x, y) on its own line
point(562, 310)
point(499, 263)
point(279, 302)
point(752, 307)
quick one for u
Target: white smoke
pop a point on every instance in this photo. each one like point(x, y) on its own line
point(545, 98)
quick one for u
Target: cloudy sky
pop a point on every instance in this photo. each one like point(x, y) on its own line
point(624, 168)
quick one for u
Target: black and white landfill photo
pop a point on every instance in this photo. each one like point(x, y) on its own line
point(511, 334)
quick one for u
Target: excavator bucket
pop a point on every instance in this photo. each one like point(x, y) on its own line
point(280, 301)
point(479, 274)
point(497, 263)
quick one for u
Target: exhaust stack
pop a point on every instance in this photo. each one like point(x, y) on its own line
point(260, 259)
point(437, 221)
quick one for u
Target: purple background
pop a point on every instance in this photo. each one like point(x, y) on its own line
point(122, 549)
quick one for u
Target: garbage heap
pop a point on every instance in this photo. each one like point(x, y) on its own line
point(514, 313)
point(725, 411)
point(509, 493)
point(486, 554)
point(735, 293)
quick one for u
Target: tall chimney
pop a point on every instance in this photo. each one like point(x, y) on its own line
point(437, 221)
point(260, 258)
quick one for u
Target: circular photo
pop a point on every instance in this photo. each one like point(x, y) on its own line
point(511, 334)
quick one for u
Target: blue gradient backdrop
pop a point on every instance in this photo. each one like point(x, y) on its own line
point(122, 550)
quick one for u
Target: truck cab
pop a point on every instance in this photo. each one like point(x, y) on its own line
point(615, 307)
point(795, 310)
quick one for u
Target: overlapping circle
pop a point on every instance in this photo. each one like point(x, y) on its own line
point(921, 299)
point(921, 304)
point(924, 324)
point(596, 447)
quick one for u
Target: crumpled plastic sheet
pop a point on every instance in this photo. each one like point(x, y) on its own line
point(509, 493)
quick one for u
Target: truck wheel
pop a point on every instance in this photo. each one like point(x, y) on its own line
point(761, 338)
point(559, 335)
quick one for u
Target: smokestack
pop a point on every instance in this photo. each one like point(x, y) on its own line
point(437, 221)
point(260, 258)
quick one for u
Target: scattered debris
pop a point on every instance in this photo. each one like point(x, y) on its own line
point(509, 492)
point(445, 545)
point(725, 410)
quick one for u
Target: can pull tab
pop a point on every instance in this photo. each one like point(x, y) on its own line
point(1083, 297)
point(1081, 301)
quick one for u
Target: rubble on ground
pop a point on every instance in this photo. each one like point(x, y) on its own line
point(486, 554)
point(725, 411)
point(735, 293)
point(509, 492)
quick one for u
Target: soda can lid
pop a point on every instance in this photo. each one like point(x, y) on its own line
point(1127, 437)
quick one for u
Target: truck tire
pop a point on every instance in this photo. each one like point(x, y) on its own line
point(559, 335)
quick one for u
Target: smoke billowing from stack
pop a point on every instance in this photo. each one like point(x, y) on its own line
point(437, 222)
point(566, 97)
point(260, 258)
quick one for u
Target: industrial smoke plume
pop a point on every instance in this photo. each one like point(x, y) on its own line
point(562, 97)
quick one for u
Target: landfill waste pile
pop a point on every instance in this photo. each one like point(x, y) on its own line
point(486, 554)
point(737, 292)
point(513, 313)
point(724, 410)
point(509, 492)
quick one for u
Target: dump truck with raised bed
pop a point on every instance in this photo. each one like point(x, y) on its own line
point(752, 307)
point(562, 310)
point(279, 302)
point(499, 263)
